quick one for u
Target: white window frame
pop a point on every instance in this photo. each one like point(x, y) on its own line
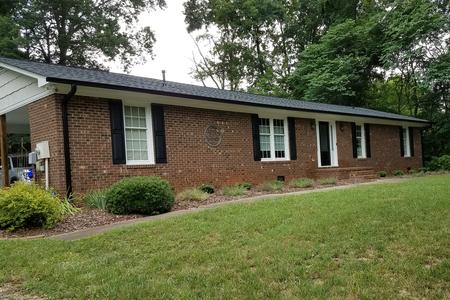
point(272, 139)
point(406, 143)
point(149, 125)
point(333, 144)
point(363, 141)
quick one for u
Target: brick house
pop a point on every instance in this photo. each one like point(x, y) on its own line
point(104, 126)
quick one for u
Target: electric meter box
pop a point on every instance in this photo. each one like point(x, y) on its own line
point(32, 158)
point(42, 150)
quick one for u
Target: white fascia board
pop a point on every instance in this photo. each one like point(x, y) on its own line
point(215, 105)
point(40, 79)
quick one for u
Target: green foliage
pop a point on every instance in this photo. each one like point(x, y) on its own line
point(328, 181)
point(338, 69)
point(245, 185)
point(140, 195)
point(301, 183)
point(80, 32)
point(441, 163)
point(68, 208)
point(10, 39)
point(96, 199)
point(207, 188)
point(258, 42)
point(398, 173)
point(271, 186)
point(29, 205)
point(234, 190)
point(382, 174)
point(194, 194)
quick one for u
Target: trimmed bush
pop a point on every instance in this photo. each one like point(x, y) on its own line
point(207, 188)
point(328, 181)
point(234, 190)
point(382, 174)
point(140, 195)
point(28, 205)
point(245, 185)
point(96, 199)
point(398, 173)
point(194, 194)
point(271, 186)
point(441, 163)
point(301, 183)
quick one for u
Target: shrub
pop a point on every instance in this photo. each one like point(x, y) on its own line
point(207, 188)
point(382, 174)
point(328, 181)
point(301, 182)
point(245, 185)
point(398, 173)
point(28, 205)
point(194, 194)
point(141, 195)
point(96, 199)
point(271, 186)
point(441, 163)
point(234, 190)
point(67, 206)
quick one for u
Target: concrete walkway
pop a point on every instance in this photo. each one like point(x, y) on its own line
point(79, 234)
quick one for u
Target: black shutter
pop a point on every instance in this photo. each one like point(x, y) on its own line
point(402, 146)
point(411, 140)
point(355, 150)
point(255, 134)
point(117, 132)
point(367, 136)
point(159, 133)
point(292, 139)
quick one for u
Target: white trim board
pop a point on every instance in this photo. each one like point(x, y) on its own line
point(213, 105)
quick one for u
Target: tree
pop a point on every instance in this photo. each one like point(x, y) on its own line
point(84, 32)
point(266, 35)
point(339, 68)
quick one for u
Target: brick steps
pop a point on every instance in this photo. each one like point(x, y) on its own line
point(356, 173)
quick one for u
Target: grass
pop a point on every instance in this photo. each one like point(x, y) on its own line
point(194, 194)
point(234, 190)
point(271, 186)
point(301, 183)
point(96, 199)
point(328, 181)
point(381, 241)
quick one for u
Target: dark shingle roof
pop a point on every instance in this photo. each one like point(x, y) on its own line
point(57, 73)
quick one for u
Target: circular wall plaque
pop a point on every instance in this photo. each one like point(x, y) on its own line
point(213, 135)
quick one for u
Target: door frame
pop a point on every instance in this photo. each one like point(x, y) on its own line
point(333, 144)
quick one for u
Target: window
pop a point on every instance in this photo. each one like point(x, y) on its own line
point(137, 135)
point(360, 141)
point(273, 139)
point(406, 145)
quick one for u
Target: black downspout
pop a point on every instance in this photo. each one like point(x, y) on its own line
point(422, 147)
point(65, 120)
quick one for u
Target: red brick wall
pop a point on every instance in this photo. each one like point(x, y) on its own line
point(46, 125)
point(190, 160)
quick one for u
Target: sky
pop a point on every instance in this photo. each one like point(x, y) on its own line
point(173, 49)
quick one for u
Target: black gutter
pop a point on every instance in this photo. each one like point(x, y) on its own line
point(65, 120)
point(196, 97)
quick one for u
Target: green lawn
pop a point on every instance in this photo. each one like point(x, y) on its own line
point(378, 241)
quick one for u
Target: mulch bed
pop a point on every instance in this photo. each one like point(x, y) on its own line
point(86, 218)
point(89, 217)
point(218, 197)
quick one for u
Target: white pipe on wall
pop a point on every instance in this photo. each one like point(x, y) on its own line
point(46, 174)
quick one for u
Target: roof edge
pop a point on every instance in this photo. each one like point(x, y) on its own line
point(181, 95)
